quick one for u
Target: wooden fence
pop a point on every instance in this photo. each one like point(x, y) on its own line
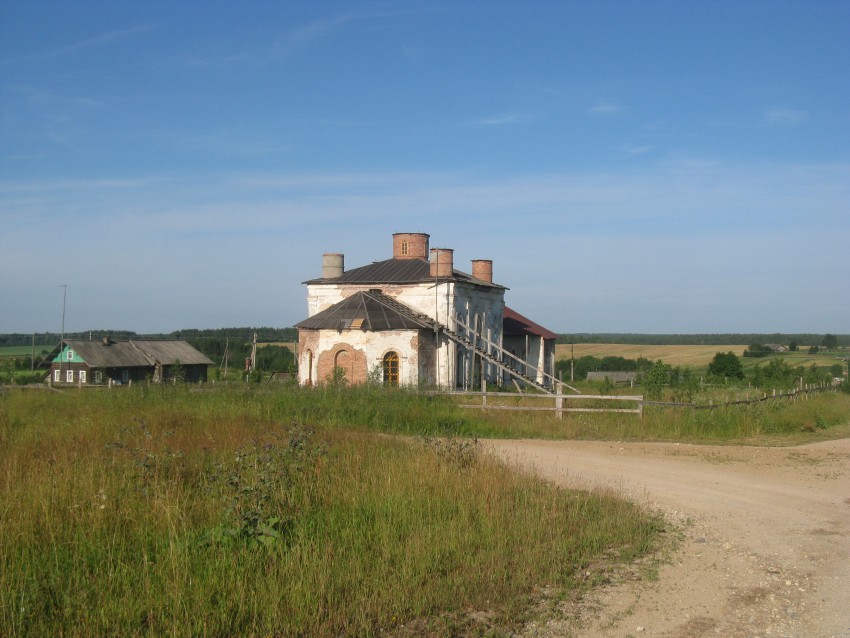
point(560, 402)
point(789, 395)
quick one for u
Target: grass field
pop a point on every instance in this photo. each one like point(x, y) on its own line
point(153, 511)
point(23, 351)
point(691, 356)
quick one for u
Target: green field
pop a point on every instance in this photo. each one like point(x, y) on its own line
point(697, 357)
point(24, 351)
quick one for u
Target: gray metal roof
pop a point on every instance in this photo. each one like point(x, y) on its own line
point(397, 271)
point(370, 310)
point(170, 352)
point(135, 353)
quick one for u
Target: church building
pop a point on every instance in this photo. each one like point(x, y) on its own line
point(414, 320)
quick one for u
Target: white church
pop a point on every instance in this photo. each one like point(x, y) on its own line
point(415, 320)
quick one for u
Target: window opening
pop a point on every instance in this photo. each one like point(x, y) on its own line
point(391, 369)
point(405, 247)
point(69, 376)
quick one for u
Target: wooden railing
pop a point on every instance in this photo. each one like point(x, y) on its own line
point(559, 403)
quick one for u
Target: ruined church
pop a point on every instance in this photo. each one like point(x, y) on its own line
point(414, 319)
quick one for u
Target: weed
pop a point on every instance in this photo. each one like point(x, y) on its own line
point(461, 453)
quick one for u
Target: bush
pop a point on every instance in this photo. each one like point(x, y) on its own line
point(726, 366)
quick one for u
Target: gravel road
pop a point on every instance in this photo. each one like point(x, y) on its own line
point(766, 537)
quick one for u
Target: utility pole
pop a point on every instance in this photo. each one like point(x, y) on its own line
point(572, 362)
point(62, 337)
point(437, 320)
point(254, 354)
point(224, 361)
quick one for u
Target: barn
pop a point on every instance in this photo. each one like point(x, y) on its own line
point(416, 320)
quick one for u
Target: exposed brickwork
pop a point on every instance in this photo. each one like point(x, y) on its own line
point(483, 269)
point(347, 357)
point(410, 245)
point(442, 262)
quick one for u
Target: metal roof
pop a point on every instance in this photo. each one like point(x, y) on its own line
point(515, 325)
point(136, 353)
point(398, 271)
point(370, 310)
point(168, 352)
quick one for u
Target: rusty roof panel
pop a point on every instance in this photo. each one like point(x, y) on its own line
point(515, 325)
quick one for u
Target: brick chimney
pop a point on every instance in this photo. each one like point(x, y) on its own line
point(483, 269)
point(442, 262)
point(410, 245)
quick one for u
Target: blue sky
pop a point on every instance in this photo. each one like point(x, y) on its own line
point(629, 166)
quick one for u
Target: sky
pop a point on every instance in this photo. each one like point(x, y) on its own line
point(634, 166)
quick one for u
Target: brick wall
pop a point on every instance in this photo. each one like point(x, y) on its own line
point(347, 357)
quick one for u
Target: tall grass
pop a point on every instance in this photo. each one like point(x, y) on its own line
point(162, 511)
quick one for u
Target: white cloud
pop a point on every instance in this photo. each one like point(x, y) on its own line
point(681, 238)
point(102, 39)
point(604, 108)
point(505, 119)
point(784, 116)
point(638, 150)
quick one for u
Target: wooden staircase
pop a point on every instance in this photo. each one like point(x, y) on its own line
point(502, 361)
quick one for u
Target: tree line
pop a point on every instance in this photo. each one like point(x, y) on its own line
point(712, 339)
point(264, 335)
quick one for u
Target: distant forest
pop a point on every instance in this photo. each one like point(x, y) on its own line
point(269, 335)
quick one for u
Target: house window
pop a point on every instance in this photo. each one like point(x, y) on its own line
point(405, 247)
point(69, 376)
point(70, 355)
point(391, 369)
point(98, 376)
point(56, 376)
point(125, 376)
point(82, 376)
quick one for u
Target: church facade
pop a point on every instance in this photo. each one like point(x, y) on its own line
point(416, 320)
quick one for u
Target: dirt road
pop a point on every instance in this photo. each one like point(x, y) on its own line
point(766, 549)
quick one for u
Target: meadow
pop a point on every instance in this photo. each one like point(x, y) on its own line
point(247, 509)
point(238, 510)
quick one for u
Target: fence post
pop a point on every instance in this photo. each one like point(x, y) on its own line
point(559, 400)
point(483, 386)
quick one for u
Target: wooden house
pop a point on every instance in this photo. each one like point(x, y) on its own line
point(108, 361)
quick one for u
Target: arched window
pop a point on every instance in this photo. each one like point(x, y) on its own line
point(343, 368)
point(405, 247)
point(391, 369)
point(309, 367)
